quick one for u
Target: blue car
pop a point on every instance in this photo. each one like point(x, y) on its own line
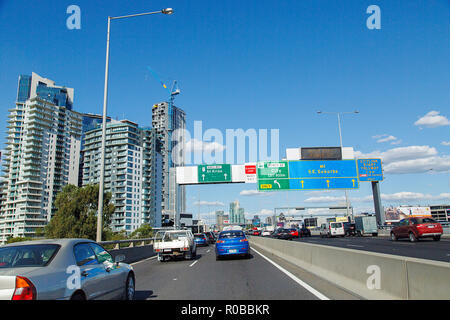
point(200, 239)
point(232, 243)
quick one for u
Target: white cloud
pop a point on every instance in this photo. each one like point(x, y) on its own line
point(432, 119)
point(195, 145)
point(404, 196)
point(318, 192)
point(387, 139)
point(208, 203)
point(252, 192)
point(445, 143)
point(324, 199)
point(381, 138)
point(411, 159)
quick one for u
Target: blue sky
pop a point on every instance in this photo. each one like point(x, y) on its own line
point(264, 65)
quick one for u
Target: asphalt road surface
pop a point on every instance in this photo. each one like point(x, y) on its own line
point(424, 248)
point(204, 278)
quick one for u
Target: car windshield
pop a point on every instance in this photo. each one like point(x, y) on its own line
point(27, 255)
point(199, 236)
point(422, 220)
point(172, 236)
point(231, 234)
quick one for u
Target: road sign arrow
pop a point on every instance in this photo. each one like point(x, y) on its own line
point(275, 181)
point(302, 183)
point(203, 176)
point(328, 183)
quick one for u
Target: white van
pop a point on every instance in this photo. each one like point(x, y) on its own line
point(332, 229)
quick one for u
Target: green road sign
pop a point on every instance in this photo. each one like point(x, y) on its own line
point(214, 173)
point(273, 170)
point(273, 184)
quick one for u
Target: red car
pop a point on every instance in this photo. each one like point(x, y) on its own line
point(416, 228)
point(256, 232)
point(294, 233)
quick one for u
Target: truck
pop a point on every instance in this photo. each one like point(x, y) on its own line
point(170, 244)
point(366, 225)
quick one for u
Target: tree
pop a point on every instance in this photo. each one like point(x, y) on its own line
point(143, 232)
point(76, 215)
point(17, 239)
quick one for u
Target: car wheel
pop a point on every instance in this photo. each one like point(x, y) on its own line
point(412, 237)
point(393, 237)
point(130, 287)
point(437, 238)
point(217, 258)
point(78, 296)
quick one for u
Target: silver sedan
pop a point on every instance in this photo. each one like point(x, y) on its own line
point(68, 269)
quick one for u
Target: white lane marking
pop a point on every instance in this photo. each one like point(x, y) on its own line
point(154, 257)
point(354, 245)
point(208, 251)
point(290, 275)
point(193, 263)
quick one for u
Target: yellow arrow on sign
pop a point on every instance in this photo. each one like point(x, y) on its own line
point(302, 183)
point(328, 183)
point(353, 180)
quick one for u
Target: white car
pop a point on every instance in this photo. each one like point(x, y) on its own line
point(174, 243)
point(332, 229)
point(266, 233)
point(63, 269)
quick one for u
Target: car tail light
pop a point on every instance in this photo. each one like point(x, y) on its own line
point(157, 250)
point(243, 240)
point(220, 241)
point(25, 289)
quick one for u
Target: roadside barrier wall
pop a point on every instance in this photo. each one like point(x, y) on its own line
point(367, 274)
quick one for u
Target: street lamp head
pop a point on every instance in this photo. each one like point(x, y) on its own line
point(356, 111)
point(319, 112)
point(167, 11)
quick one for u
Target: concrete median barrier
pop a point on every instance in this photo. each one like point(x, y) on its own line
point(134, 254)
point(368, 274)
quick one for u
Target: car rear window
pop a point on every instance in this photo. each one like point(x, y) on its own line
point(231, 234)
point(173, 236)
point(37, 255)
point(422, 220)
point(336, 225)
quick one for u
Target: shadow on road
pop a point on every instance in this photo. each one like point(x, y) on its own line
point(236, 257)
point(144, 295)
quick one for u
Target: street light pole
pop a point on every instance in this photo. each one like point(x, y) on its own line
point(167, 11)
point(340, 141)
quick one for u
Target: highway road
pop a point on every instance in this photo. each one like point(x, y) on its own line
point(256, 278)
point(424, 248)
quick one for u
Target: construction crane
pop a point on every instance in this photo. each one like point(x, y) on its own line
point(175, 90)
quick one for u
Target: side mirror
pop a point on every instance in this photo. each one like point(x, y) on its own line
point(119, 258)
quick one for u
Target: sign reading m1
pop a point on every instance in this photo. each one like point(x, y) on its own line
point(214, 173)
point(307, 175)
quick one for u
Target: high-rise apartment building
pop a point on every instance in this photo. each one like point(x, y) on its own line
point(90, 122)
point(42, 155)
point(133, 171)
point(169, 123)
point(236, 215)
